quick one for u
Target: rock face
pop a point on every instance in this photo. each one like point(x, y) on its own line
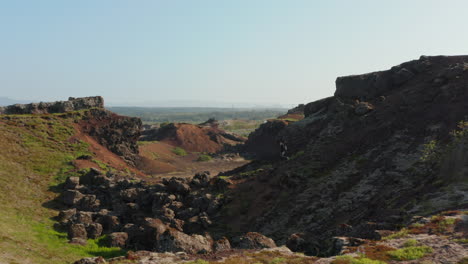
point(73, 104)
point(117, 133)
point(388, 145)
point(206, 137)
point(263, 143)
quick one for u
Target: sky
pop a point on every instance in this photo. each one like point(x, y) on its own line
point(211, 51)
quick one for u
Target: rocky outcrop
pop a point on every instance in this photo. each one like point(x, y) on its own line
point(263, 143)
point(117, 133)
point(73, 104)
point(381, 150)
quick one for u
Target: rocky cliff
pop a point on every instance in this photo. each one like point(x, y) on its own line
point(117, 133)
point(73, 104)
point(387, 146)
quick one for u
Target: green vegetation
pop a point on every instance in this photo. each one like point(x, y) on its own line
point(204, 157)
point(400, 234)
point(461, 240)
point(357, 260)
point(429, 151)
point(297, 154)
point(179, 151)
point(196, 114)
point(35, 157)
point(410, 253)
point(198, 261)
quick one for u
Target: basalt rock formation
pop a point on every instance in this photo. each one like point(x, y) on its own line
point(387, 146)
point(73, 104)
point(117, 133)
point(171, 216)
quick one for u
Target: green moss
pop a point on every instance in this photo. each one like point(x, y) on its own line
point(410, 253)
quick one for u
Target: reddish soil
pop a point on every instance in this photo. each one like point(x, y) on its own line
point(159, 160)
point(193, 138)
point(100, 153)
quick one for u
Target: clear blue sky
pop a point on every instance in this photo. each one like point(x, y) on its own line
point(288, 51)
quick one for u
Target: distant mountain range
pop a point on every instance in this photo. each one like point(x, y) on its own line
point(4, 101)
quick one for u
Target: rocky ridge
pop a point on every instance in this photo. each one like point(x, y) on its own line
point(387, 146)
point(73, 104)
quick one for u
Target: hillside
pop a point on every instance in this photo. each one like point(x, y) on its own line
point(37, 153)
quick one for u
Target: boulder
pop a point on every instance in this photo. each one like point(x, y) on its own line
point(109, 223)
point(89, 202)
point(94, 230)
point(178, 185)
point(221, 245)
point(72, 182)
point(297, 243)
point(77, 231)
point(253, 240)
point(66, 215)
point(201, 179)
point(175, 241)
point(118, 239)
point(93, 260)
point(85, 218)
point(72, 197)
point(129, 195)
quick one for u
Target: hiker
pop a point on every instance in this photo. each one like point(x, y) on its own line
point(283, 150)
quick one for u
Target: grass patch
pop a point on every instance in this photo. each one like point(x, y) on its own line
point(357, 260)
point(179, 151)
point(410, 253)
point(410, 243)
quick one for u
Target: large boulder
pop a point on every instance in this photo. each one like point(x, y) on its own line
point(72, 197)
point(253, 240)
point(118, 239)
point(175, 241)
point(77, 231)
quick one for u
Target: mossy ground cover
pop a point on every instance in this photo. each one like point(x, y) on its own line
point(35, 156)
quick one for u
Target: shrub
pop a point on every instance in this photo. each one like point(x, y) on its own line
point(204, 157)
point(179, 151)
point(410, 253)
